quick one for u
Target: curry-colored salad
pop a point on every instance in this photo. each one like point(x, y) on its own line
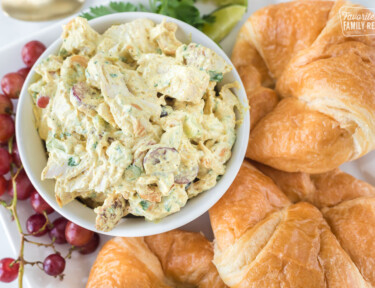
point(133, 119)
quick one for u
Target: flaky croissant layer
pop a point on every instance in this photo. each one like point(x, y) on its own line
point(173, 259)
point(322, 110)
point(264, 240)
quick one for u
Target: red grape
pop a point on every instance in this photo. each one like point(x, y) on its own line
point(6, 106)
point(54, 264)
point(3, 185)
point(76, 235)
point(11, 84)
point(35, 223)
point(6, 128)
point(31, 52)
point(8, 273)
point(24, 186)
point(24, 72)
point(5, 160)
point(39, 204)
point(42, 102)
point(91, 246)
point(58, 230)
point(16, 155)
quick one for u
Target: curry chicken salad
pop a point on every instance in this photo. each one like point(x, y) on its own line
point(134, 120)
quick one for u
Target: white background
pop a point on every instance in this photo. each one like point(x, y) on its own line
point(12, 30)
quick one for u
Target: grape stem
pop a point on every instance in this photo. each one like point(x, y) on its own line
point(44, 227)
point(12, 207)
point(69, 255)
point(52, 244)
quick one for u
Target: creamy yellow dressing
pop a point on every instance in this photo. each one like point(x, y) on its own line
point(136, 122)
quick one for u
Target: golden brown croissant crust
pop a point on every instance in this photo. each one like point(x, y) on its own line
point(173, 259)
point(296, 52)
point(275, 243)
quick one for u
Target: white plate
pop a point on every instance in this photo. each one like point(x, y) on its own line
point(78, 267)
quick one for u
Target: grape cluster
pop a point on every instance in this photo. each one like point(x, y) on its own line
point(60, 231)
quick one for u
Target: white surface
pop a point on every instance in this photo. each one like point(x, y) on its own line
point(31, 147)
point(12, 30)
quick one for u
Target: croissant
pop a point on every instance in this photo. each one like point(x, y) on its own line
point(311, 90)
point(264, 240)
point(173, 259)
point(322, 190)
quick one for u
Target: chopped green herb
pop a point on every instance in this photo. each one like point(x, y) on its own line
point(64, 134)
point(215, 76)
point(132, 172)
point(113, 75)
point(156, 85)
point(167, 206)
point(63, 53)
point(145, 204)
point(95, 145)
point(159, 51)
point(72, 162)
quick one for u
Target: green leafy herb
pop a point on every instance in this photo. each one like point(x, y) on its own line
point(132, 172)
point(145, 204)
point(184, 10)
point(123, 7)
point(113, 7)
point(167, 206)
point(63, 53)
point(215, 76)
point(72, 162)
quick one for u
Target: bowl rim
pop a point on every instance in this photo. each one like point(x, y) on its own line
point(174, 220)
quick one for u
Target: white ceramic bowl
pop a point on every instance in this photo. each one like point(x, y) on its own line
point(34, 158)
